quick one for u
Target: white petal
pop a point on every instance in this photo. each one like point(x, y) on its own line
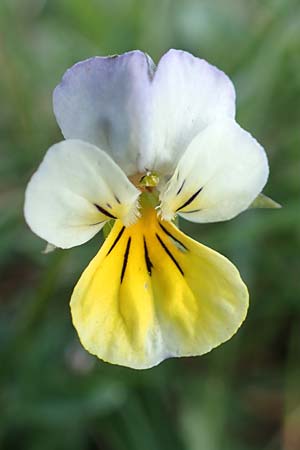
point(105, 101)
point(76, 189)
point(220, 174)
point(187, 94)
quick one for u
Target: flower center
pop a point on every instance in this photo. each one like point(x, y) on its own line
point(145, 182)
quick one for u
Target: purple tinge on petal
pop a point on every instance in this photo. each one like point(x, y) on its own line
point(105, 101)
point(188, 93)
point(143, 117)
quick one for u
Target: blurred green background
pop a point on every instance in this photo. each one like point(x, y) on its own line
point(245, 395)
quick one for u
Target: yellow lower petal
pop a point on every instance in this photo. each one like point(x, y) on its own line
point(152, 293)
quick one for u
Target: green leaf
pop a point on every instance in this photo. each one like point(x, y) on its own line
point(107, 228)
point(262, 201)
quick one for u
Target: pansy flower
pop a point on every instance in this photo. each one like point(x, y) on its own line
point(143, 144)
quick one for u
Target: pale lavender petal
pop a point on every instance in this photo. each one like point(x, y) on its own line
point(105, 101)
point(188, 94)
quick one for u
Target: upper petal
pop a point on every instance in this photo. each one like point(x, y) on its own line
point(144, 118)
point(76, 189)
point(188, 93)
point(219, 175)
point(105, 101)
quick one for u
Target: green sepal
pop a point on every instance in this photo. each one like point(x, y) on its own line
point(49, 248)
point(262, 201)
point(107, 228)
point(175, 221)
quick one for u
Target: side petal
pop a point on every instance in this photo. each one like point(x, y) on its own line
point(188, 93)
point(104, 101)
point(76, 189)
point(220, 174)
point(152, 293)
